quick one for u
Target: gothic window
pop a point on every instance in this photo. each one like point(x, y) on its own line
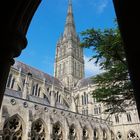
point(23, 82)
point(48, 89)
point(132, 136)
point(85, 98)
point(9, 80)
point(104, 135)
point(57, 94)
point(119, 136)
point(57, 132)
point(129, 117)
point(12, 129)
point(81, 71)
point(36, 89)
point(39, 91)
point(13, 82)
point(99, 109)
point(117, 118)
point(33, 90)
point(95, 134)
point(85, 133)
point(78, 70)
point(50, 93)
point(72, 133)
point(37, 130)
point(82, 99)
point(59, 99)
point(96, 110)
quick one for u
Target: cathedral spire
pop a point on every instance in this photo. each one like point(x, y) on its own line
point(69, 25)
point(69, 62)
point(70, 2)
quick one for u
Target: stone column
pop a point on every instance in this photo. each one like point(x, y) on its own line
point(26, 86)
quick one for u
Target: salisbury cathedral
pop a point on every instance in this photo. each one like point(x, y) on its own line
point(38, 106)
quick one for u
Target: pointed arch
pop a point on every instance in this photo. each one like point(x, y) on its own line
point(38, 131)
point(85, 133)
point(72, 132)
point(13, 128)
point(96, 134)
point(105, 134)
point(57, 131)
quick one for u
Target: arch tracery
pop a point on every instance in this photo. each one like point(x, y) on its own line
point(37, 130)
point(57, 133)
point(132, 136)
point(104, 134)
point(95, 134)
point(12, 129)
point(72, 132)
point(85, 133)
point(119, 136)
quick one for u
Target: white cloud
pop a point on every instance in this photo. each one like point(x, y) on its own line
point(90, 68)
point(101, 6)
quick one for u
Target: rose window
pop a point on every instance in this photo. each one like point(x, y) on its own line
point(132, 136)
point(119, 136)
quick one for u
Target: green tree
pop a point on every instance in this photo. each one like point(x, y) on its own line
point(113, 87)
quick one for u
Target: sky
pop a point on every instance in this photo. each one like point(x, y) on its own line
point(48, 23)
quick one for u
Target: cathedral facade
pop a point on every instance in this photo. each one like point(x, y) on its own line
point(37, 106)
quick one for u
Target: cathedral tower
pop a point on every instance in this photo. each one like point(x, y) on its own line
point(69, 62)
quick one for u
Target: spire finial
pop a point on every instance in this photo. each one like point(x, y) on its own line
point(70, 2)
point(69, 26)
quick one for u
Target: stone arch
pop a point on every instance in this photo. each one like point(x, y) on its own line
point(95, 134)
point(132, 135)
point(13, 128)
point(57, 131)
point(119, 136)
point(72, 132)
point(85, 132)
point(105, 136)
point(38, 131)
